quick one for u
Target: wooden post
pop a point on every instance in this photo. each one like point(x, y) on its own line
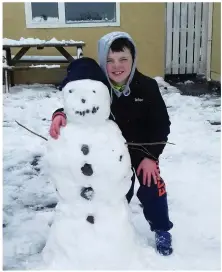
point(10, 73)
point(190, 38)
point(176, 37)
point(183, 38)
point(197, 37)
point(169, 43)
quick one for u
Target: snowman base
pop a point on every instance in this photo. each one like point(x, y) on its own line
point(95, 244)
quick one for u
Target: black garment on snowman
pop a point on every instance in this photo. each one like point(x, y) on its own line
point(84, 68)
point(142, 117)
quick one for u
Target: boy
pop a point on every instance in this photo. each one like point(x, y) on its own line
point(140, 112)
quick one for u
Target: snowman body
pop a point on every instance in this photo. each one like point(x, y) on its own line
point(91, 169)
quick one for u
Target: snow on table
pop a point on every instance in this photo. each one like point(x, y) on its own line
point(45, 66)
point(35, 41)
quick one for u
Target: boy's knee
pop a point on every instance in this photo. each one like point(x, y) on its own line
point(146, 193)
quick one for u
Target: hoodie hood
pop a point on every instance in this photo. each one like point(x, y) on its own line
point(103, 50)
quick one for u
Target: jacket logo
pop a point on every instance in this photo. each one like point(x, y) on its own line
point(138, 100)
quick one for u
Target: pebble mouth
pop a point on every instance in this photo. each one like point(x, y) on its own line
point(87, 111)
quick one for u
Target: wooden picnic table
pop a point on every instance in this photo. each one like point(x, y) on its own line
point(12, 61)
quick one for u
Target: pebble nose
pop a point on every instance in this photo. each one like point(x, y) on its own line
point(83, 100)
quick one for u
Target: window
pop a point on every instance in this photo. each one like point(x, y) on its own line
point(71, 14)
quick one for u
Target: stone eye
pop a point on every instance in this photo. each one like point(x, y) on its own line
point(94, 91)
point(70, 91)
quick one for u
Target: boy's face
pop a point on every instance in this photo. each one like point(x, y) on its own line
point(119, 66)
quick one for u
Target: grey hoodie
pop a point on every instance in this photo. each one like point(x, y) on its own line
point(103, 50)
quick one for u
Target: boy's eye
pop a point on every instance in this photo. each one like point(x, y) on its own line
point(70, 91)
point(108, 61)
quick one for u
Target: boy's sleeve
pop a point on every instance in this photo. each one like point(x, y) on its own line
point(59, 111)
point(159, 128)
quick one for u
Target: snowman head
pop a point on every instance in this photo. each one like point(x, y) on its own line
point(86, 101)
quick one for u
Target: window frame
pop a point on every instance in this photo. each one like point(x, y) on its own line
point(61, 23)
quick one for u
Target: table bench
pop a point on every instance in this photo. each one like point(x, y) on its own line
point(10, 62)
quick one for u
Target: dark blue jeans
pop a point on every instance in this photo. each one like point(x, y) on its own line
point(154, 202)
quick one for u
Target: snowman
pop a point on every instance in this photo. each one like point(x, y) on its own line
point(91, 169)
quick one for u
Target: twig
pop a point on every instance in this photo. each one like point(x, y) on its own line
point(144, 151)
point(157, 143)
point(31, 131)
point(133, 144)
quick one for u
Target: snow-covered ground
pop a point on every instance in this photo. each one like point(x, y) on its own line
point(191, 170)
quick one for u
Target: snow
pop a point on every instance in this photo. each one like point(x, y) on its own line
point(48, 19)
point(191, 170)
point(105, 20)
point(44, 58)
point(23, 41)
point(45, 65)
point(188, 82)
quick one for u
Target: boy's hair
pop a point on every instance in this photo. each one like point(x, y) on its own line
point(119, 44)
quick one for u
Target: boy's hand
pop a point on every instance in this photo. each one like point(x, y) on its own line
point(149, 168)
point(57, 122)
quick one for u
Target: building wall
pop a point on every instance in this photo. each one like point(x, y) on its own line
point(216, 43)
point(145, 22)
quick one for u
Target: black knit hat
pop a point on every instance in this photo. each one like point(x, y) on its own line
point(84, 68)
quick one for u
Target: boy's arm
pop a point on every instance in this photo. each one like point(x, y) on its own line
point(160, 121)
point(160, 125)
